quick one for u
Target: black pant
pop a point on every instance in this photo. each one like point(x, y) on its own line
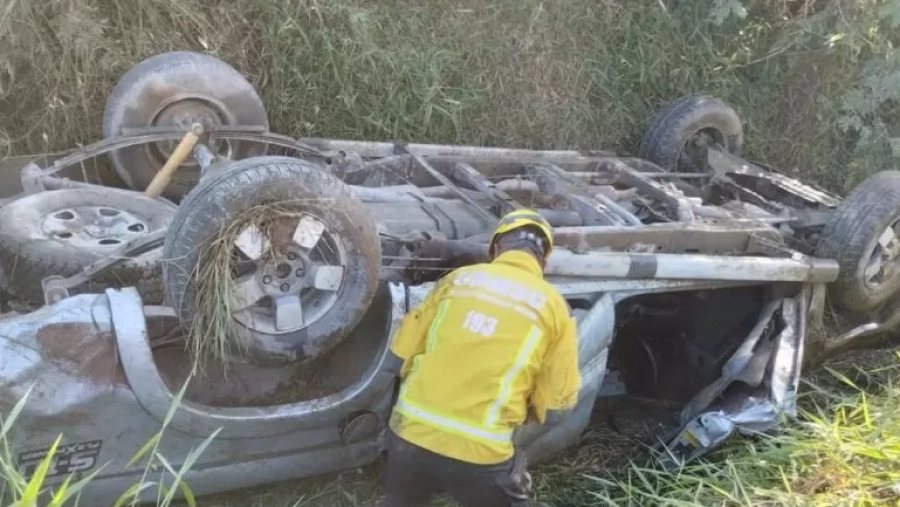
point(414, 475)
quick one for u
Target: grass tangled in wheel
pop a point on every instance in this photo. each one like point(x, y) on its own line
point(213, 333)
point(270, 261)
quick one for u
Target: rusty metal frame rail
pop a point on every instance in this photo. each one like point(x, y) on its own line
point(148, 135)
point(680, 207)
point(594, 265)
point(465, 172)
point(596, 206)
point(378, 149)
point(424, 165)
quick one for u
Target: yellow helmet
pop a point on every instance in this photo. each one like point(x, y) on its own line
point(523, 218)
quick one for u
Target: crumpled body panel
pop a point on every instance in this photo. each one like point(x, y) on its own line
point(90, 371)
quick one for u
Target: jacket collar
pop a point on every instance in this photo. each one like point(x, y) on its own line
point(522, 260)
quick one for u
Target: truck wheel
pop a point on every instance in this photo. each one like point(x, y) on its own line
point(863, 236)
point(179, 88)
point(678, 135)
point(308, 274)
point(60, 232)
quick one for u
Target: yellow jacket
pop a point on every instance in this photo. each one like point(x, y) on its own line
point(490, 341)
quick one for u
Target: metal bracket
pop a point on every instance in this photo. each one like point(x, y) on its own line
point(817, 307)
point(158, 129)
point(454, 187)
point(55, 289)
point(725, 164)
point(679, 206)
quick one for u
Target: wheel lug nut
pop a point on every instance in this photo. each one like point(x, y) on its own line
point(285, 287)
point(267, 279)
point(299, 272)
point(291, 256)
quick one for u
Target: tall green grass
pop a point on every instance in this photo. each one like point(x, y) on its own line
point(813, 80)
point(844, 452)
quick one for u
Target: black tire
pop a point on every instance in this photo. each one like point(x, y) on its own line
point(850, 236)
point(161, 81)
point(682, 119)
point(27, 255)
point(251, 182)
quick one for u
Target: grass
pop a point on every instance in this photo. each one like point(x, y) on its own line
point(213, 334)
point(844, 452)
point(815, 82)
point(20, 490)
point(581, 73)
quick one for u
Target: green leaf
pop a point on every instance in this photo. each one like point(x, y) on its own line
point(33, 489)
point(61, 493)
point(176, 402)
point(80, 484)
point(132, 492)
point(10, 419)
point(145, 449)
point(179, 482)
point(189, 461)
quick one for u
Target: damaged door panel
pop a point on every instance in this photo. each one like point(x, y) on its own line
point(757, 388)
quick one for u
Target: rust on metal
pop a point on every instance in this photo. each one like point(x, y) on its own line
point(678, 206)
point(424, 165)
point(661, 238)
point(466, 173)
point(159, 134)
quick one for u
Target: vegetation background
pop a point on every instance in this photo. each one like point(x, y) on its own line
point(817, 83)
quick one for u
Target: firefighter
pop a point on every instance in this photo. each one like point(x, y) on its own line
point(493, 346)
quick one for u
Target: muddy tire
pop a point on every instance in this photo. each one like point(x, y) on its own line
point(60, 232)
point(173, 88)
point(851, 237)
point(666, 141)
point(308, 189)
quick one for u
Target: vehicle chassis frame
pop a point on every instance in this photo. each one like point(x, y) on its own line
point(727, 236)
point(682, 235)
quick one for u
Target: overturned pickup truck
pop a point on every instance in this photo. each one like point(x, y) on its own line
point(697, 278)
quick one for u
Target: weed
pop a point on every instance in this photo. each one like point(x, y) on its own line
point(19, 490)
point(809, 78)
point(842, 453)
